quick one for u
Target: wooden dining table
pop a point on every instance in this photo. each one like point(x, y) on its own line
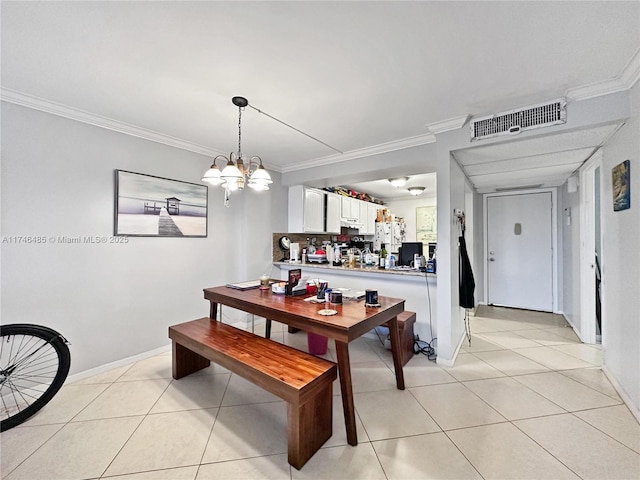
point(352, 320)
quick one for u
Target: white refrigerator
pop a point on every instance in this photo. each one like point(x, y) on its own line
point(392, 234)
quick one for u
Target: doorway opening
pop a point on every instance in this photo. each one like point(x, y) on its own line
point(591, 260)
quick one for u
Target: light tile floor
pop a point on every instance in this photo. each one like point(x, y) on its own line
point(524, 400)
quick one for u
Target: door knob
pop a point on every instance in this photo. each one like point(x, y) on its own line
point(491, 259)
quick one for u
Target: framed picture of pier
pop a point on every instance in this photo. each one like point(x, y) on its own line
point(148, 206)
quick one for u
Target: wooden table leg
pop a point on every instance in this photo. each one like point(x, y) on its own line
point(213, 311)
point(396, 350)
point(344, 369)
point(267, 328)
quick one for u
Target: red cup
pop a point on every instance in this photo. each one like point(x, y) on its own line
point(311, 288)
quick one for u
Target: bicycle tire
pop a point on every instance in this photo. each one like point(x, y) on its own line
point(34, 363)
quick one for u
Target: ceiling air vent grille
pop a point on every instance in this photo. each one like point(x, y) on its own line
point(515, 121)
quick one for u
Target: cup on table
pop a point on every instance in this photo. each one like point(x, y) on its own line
point(371, 297)
point(335, 297)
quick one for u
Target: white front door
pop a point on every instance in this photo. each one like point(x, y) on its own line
point(520, 251)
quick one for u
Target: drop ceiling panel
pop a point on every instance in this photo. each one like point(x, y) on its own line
point(561, 142)
point(505, 179)
point(574, 158)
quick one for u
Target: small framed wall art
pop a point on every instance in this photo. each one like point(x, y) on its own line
point(621, 178)
point(426, 224)
point(148, 206)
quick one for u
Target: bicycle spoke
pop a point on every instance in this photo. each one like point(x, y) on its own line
point(34, 362)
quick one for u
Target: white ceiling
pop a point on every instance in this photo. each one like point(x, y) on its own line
point(352, 74)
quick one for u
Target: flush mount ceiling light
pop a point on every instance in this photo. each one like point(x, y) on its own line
point(416, 190)
point(239, 170)
point(398, 181)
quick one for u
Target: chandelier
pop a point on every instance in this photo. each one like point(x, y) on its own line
point(238, 171)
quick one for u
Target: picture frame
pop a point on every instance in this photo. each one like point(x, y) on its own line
point(427, 224)
point(621, 183)
point(150, 206)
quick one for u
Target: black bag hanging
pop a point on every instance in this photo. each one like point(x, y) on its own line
point(467, 283)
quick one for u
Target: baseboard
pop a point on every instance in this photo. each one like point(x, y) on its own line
point(575, 330)
point(76, 377)
point(117, 364)
point(449, 363)
point(635, 411)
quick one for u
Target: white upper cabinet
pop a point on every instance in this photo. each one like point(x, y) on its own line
point(306, 209)
point(369, 222)
point(368, 213)
point(350, 209)
point(314, 211)
point(333, 213)
point(362, 216)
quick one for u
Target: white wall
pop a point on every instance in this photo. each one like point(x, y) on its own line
point(621, 260)
point(451, 195)
point(113, 301)
point(407, 210)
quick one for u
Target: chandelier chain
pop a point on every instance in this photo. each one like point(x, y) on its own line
point(240, 132)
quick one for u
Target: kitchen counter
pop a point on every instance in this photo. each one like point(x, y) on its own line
point(355, 270)
point(418, 289)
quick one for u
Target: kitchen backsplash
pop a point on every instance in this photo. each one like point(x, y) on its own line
point(300, 238)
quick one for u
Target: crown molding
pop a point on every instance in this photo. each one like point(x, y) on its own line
point(447, 125)
point(37, 103)
point(363, 152)
point(625, 81)
point(631, 73)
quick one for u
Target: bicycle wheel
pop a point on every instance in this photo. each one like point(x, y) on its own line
point(34, 363)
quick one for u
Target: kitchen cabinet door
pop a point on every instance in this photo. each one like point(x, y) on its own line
point(363, 215)
point(314, 211)
point(349, 209)
point(369, 227)
point(306, 210)
point(333, 213)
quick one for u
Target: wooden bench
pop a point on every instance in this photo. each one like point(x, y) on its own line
point(406, 320)
point(305, 382)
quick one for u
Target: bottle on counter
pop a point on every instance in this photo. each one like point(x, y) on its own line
point(337, 256)
point(368, 257)
point(382, 258)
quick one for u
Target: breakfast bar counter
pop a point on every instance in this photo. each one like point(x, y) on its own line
point(356, 270)
point(417, 288)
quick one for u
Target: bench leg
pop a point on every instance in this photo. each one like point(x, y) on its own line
point(185, 362)
point(309, 426)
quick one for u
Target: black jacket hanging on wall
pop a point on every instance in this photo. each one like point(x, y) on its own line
point(467, 283)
